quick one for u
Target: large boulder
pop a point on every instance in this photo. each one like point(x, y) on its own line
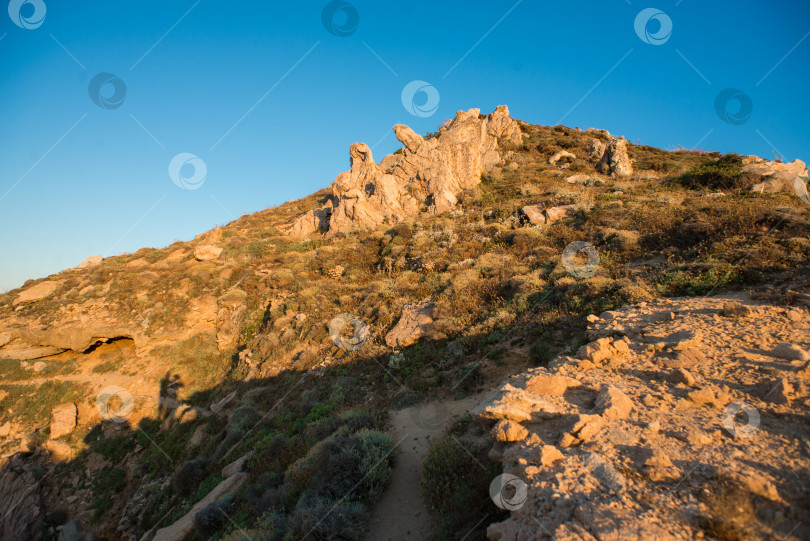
point(428, 173)
point(92, 261)
point(416, 322)
point(615, 160)
point(207, 252)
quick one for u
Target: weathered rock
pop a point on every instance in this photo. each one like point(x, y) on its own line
point(184, 527)
point(22, 511)
point(92, 261)
point(60, 451)
point(587, 426)
point(508, 431)
point(613, 403)
point(702, 397)
point(514, 404)
point(550, 384)
point(682, 375)
point(781, 177)
point(562, 155)
point(554, 214)
point(37, 292)
point(416, 322)
point(596, 150)
point(64, 419)
point(615, 160)
point(207, 252)
point(533, 214)
point(549, 455)
point(428, 172)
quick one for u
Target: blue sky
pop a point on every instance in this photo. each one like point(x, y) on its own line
point(270, 100)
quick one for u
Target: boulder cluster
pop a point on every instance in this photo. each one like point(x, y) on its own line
point(429, 173)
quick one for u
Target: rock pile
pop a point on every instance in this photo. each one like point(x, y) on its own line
point(781, 177)
point(633, 437)
point(428, 173)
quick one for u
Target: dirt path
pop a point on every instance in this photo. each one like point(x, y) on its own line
point(401, 514)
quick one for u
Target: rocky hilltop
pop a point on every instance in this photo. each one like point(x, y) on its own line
point(563, 306)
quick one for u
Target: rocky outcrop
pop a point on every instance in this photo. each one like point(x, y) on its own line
point(207, 252)
point(781, 177)
point(416, 322)
point(607, 442)
point(64, 419)
point(22, 511)
point(615, 160)
point(428, 173)
point(37, 292)
point(92, 261)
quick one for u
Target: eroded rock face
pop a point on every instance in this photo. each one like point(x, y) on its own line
point(428, 174)
point(22, 511)
point(615, 160)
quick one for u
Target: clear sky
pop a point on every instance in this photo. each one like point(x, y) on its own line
point(261, 100)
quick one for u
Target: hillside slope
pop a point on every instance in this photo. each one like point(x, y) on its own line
point(467, 256)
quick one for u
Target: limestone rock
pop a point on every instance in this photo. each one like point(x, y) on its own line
point(508, 431)
point(207, 252)
point(514, 404)
point(549, 455)
point(64, 419)
point(37, 292)
point(428, 173)
point(613, 403)
point(416, 322)
point(92, 261)
point(596, 150)
point(550, 384)
point(561, 155)
point(615, 160)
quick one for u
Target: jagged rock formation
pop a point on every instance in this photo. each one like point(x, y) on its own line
point(428, 173)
